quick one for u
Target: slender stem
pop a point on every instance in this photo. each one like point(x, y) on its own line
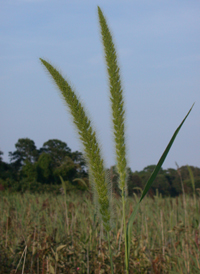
point(125, 234)
point(110, 251)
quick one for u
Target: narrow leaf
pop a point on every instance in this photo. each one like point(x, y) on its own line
point(60, 247)
point(162, 159)
point(150, 182)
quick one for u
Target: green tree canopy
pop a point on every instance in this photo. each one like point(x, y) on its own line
point(25, 151)
point(5, 170)
point(67, 170)
point(57, 149)
point(150, 169)
point(29, 171)
point(44, 169)
point(1, 153)
point(80, 162)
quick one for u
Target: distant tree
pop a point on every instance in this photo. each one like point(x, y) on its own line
point(134, 181)
point(80, 162)
point(188, 182)
point(25, 151)
point(5, 169)
point(149, 169)
point(57, 149)
point(161, 183)
point(174, 181)
point(29, 171)
point(45, 169)
point(67, 170)
point(1, 153)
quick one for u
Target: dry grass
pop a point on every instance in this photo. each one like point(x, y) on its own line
point(46, 234)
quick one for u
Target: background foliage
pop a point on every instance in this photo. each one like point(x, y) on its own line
point(38, 170)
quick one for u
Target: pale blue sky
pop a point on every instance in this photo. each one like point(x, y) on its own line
point(158, 44)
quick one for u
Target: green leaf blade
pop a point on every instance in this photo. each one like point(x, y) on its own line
point(162, 158)
point(151, 180)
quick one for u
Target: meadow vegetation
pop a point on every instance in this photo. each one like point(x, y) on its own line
point(63, 234)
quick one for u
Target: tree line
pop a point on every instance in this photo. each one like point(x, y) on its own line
point(41, 170)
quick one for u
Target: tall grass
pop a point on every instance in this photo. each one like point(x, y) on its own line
point(57, 239)
point(91, 147)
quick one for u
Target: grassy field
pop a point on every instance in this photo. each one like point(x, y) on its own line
point(53, 234)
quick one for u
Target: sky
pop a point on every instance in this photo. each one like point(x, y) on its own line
point(158, 47)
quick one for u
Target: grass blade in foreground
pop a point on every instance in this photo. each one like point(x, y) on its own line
point(150, 182)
